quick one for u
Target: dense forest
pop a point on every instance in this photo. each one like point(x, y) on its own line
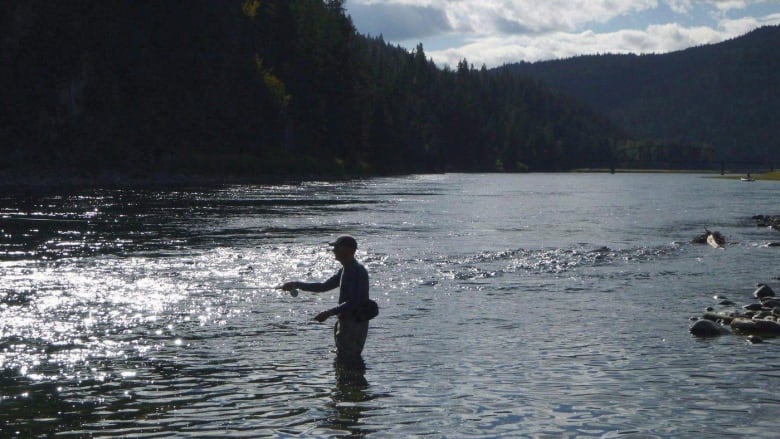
point(260, 88)
point(720, 101)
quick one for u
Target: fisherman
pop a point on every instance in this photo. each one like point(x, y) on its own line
point(351, 330)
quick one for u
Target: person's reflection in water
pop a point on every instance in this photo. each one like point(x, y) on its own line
point(350, 374)
point(351, 385)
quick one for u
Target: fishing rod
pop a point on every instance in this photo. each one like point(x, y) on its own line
point(293, 292)
point(51, 220)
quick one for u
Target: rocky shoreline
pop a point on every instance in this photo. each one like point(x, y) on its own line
point(757, 320)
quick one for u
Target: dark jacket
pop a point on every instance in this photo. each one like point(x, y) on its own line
point(352, 281)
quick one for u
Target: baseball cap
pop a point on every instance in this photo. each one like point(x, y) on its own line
point(345, 241)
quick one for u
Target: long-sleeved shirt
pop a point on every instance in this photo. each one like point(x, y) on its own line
point(352, 280)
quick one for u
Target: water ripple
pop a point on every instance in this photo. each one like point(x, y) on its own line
point(518, 306)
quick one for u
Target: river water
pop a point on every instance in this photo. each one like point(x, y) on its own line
point(539, 305)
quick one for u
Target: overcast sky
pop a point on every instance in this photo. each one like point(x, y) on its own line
point(496, 32)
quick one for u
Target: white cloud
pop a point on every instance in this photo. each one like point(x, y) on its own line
point(494, 32)
point(743, 25)
point(497, 50)
point(502, 16)
point(679, 6)
point(400, 21)
point(686, 6)
point(729, 5)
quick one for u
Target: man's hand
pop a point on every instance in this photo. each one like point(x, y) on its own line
point(321, 317)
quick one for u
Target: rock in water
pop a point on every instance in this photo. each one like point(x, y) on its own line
point(715, 239)
point(760, 327)
point(768, 302)
point(763, 291)
point(707, 328)
point(712, 241)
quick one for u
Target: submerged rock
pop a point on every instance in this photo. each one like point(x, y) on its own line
point(715, 239)
point(771, 221)
point(707, 328)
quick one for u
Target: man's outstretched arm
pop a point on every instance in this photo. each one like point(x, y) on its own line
point(314, 287)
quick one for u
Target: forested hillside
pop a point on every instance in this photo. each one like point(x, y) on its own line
point(724, 95)
point(254, 88)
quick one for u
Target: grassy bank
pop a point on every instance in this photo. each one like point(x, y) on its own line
point(768, 176)
point(645, 171)
point(759, 176)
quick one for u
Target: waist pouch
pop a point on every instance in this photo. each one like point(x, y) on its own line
point(366, 311)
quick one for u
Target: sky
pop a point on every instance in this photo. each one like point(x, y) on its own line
point(497, 32)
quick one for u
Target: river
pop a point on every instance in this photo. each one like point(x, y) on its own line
point(534, 305)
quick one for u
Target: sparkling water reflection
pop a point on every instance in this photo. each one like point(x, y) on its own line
point(512, 305)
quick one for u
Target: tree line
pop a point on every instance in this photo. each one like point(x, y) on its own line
point(263, 87)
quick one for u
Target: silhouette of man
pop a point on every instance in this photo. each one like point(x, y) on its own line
point(350, 331)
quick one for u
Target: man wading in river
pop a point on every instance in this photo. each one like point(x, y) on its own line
point(352, 279)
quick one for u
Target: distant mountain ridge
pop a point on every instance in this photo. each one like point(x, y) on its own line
point(726, 95)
